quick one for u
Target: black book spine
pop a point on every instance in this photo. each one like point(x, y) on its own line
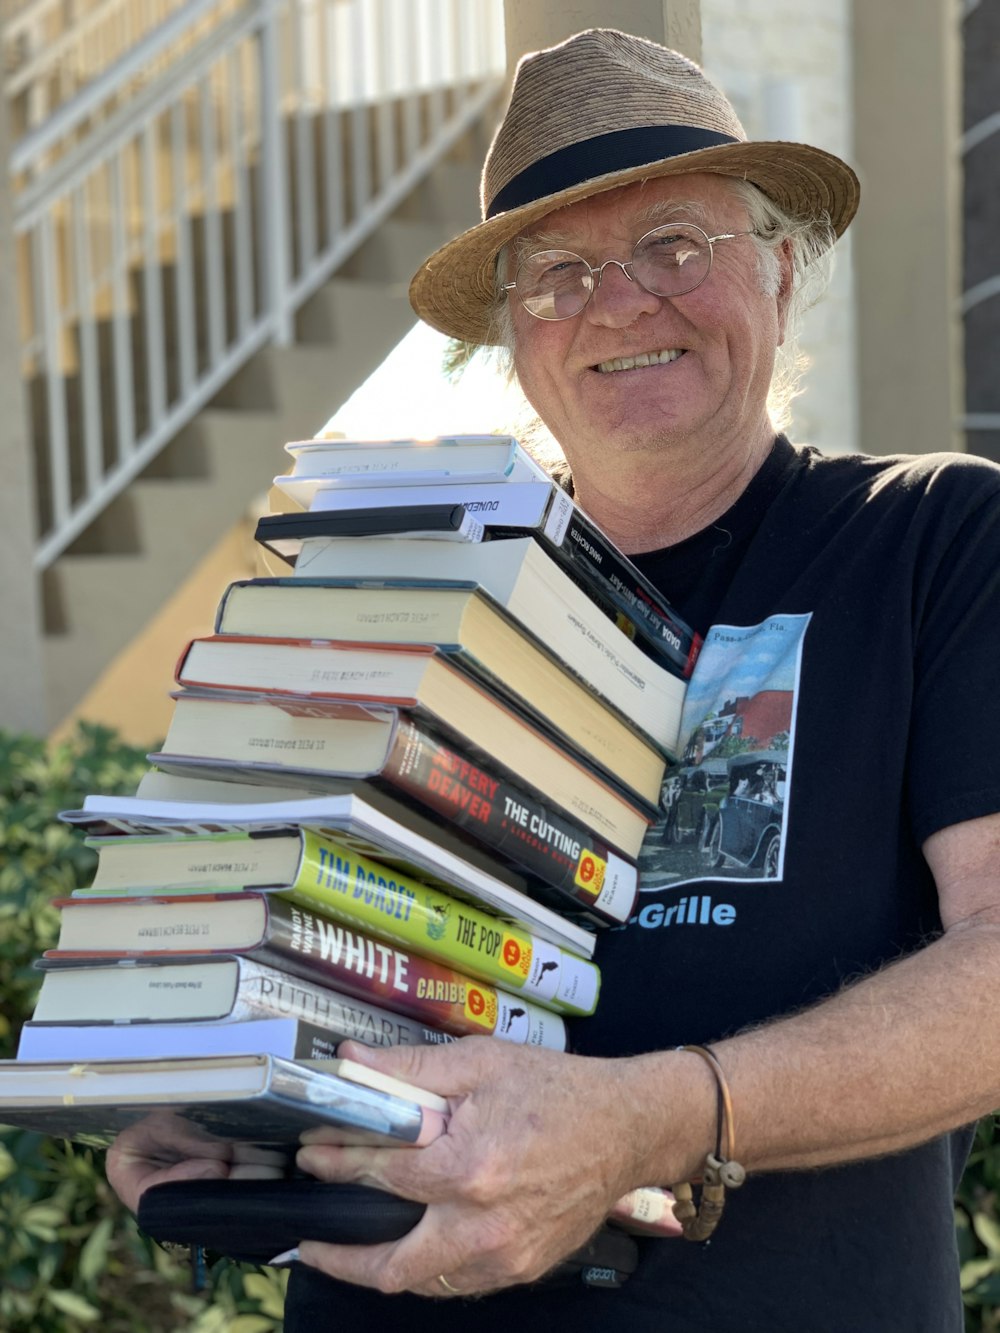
point(622, 590)
point(565, 862)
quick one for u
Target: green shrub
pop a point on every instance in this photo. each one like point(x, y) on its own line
point(71, 1256)
point(978, 1221)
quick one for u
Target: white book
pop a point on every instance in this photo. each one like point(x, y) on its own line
point(291, 1038)
point(240, 1006)
point(322, 464)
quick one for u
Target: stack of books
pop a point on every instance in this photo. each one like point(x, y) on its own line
point(404, 786)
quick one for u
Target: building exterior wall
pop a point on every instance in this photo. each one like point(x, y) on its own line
point(907, 242)
point(22, 683)
point(533, 24)
point(981, 266)
point(786, 66)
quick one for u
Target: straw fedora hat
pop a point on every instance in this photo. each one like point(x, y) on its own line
point(601, 110)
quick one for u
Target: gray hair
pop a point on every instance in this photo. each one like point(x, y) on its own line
point(810, 241)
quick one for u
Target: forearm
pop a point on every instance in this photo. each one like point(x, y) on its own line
point(907, 1053)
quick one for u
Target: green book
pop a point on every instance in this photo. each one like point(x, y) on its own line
point(339, 882)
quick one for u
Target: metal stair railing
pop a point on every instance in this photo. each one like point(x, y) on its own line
point(52, 48)
point(175, 213)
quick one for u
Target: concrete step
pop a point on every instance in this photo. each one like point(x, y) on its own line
point(310, 380)
point(449, 194)
point(396, 250)
point(103, 591)
point(343, 307)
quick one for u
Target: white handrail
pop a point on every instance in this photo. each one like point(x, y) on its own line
point(68, 117)
point(29, 28)
point(170, 224)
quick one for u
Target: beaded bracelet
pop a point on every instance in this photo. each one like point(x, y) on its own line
point(721, 1171)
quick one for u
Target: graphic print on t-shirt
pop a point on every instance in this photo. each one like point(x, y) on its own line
point(724, 806)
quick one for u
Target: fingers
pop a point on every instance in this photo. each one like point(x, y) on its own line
point(451, 1070)
point(429, 1174)
point(160, 1148)
point(130, 1176)
point(476, 1256)
point(524, 1174)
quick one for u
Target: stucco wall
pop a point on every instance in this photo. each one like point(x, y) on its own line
point(786, 66)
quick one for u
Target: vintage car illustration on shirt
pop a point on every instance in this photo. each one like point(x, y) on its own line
point(694, 796)
point(746, 829)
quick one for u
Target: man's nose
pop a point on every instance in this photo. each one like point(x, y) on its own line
point(621, 299)
point(598, 273)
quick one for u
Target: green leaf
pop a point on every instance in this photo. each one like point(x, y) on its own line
point(69, 1302)
point(268, 1292)
point(212, 1321)
point(94, 1255)
point(974, 1271)
point(987, 1229)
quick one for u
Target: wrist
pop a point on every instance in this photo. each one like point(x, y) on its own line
point(670, 1103)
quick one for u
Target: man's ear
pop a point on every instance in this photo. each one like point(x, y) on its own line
point(785, 287)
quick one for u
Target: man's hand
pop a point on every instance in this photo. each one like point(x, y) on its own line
point(538, 1149)
point(163, 1147)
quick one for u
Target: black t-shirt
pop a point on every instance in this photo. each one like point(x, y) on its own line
point(843, 709)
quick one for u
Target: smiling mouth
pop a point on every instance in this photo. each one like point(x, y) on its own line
point(643, 359)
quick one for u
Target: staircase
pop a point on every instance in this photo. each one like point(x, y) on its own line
point(155, 508)
point(101, 593)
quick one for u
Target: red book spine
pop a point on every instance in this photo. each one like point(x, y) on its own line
point(566, 864)
point(323, 951)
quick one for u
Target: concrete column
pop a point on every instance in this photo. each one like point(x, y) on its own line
point(532, 24)
point(907, 82)
point(22, 682)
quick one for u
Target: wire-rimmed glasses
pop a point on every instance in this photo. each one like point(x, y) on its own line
point(670, 260)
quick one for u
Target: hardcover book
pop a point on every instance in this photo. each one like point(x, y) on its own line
point(291, 1038)
point(283, 533)
point(320, 464)
point(491, 651)
point(256, 1102)
point(535, 590)
point(359, 823)
point(219, 988)
point(312, 739)
point(505, 503)
point(441, 794)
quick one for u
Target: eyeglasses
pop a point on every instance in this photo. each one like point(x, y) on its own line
point(668, 261)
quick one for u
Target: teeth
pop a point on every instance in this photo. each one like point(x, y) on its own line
point(643, 359)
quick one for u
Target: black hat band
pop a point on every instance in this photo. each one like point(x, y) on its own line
point(615, 151)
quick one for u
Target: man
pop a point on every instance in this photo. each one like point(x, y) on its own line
point(643, 259)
